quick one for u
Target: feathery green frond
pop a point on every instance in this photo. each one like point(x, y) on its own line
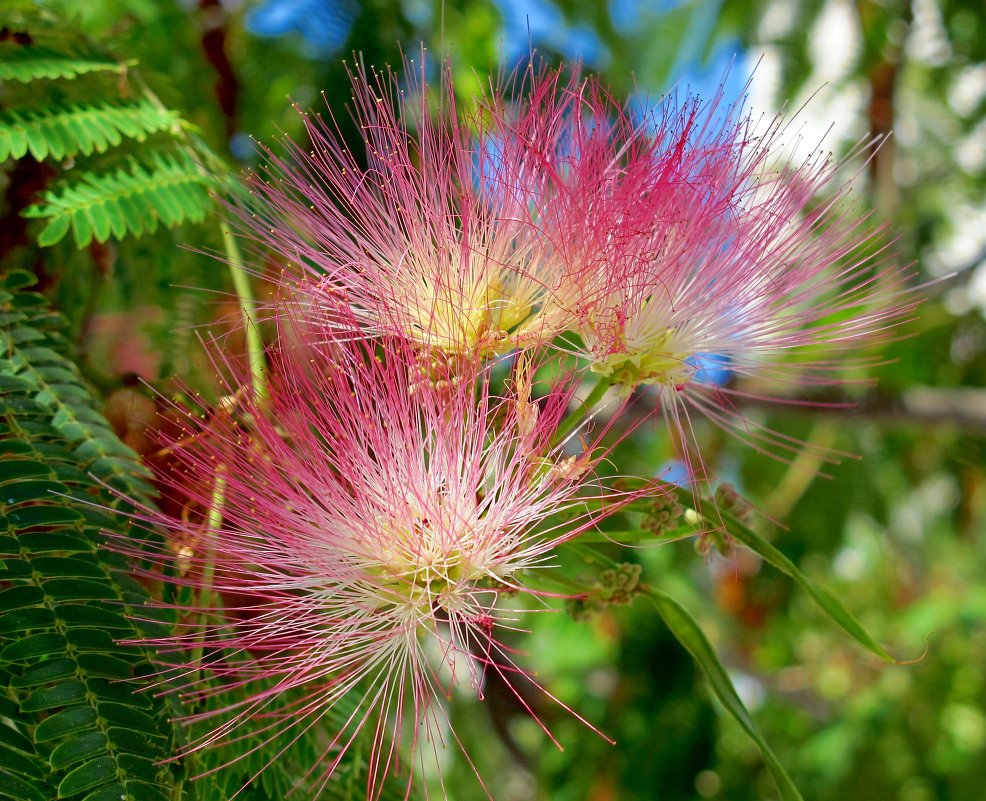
point(30, 63)
point(165, 187)
point(73, 726)
point(33, 350)
point(169, 190)
point(77, 724)
point(74, 128)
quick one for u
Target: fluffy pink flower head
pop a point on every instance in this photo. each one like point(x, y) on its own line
point(371, 528)
point(704, 238)
point(426, 234)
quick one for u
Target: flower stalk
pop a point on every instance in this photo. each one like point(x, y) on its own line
point(583, 411)
point(213, 523)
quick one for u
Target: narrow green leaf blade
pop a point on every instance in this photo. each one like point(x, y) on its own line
point(825, 599)
point(687, 631)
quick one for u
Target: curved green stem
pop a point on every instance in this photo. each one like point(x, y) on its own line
point(578, 415)
point(241, 279)
point(213, 521)
point(636, 536)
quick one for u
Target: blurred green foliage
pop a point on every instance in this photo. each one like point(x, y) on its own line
point(898, 535)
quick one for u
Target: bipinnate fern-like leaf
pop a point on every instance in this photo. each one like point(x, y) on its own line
point(165, 183)
point(34, 350)
point(34, 62)
point(79, 128)
point(72, 725)
point(168, 190)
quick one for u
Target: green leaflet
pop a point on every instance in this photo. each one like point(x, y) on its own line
point(167, 189)
point(687, 631)
point(40, 362)
point(825, 600)
point(74, 724)
point(79, 128)
point(26, 64)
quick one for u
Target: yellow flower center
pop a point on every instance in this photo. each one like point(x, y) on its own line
point(422, 562)
point(651, 360)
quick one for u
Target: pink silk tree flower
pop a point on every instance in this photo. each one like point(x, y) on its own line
point(427, 234)
point(706, 243)
point(372, 529)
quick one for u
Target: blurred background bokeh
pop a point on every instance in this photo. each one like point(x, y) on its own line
point(898, 534)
